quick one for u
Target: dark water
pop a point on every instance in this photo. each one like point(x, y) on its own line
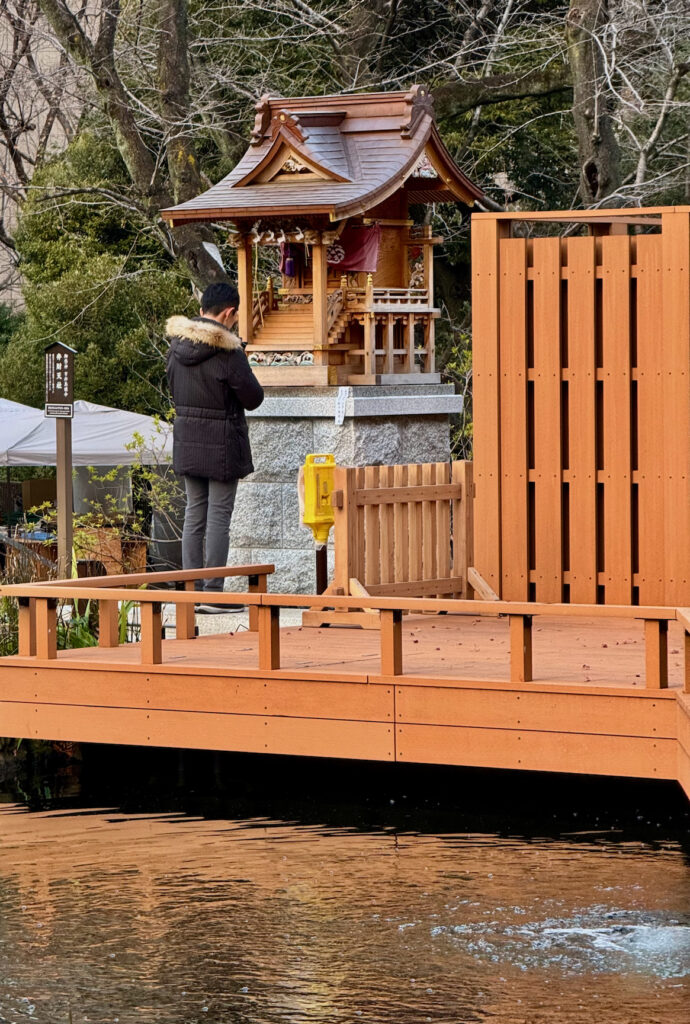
point(150, 886)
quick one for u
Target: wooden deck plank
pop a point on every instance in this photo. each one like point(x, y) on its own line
point(602, 652)
point(199, 730)
point(520, 709)
point(636, 757)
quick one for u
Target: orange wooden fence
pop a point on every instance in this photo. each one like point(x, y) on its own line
point(403, 530)
point(582, 408)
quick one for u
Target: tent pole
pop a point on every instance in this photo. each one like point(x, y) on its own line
point(63, 437)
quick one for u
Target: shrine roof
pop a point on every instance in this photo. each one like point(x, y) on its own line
point(334, 156)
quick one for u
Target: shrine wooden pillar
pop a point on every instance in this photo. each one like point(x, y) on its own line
point(320, 295)
point(244, 286)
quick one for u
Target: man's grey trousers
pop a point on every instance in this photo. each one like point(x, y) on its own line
point(207, 518)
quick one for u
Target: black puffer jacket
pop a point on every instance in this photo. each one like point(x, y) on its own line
point(212, 384)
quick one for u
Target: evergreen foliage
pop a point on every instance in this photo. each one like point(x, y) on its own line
point(94, 278)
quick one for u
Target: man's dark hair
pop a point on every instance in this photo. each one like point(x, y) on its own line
point(218, 297)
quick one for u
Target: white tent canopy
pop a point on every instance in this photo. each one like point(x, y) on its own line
point(100, 436)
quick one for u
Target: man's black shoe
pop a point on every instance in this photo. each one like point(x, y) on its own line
point(220, 609)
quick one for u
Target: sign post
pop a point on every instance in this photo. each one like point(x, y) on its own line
point(60, 407)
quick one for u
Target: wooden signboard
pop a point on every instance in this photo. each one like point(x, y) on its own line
point(60, 406)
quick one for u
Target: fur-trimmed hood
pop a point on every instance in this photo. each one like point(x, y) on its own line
point(195, 340)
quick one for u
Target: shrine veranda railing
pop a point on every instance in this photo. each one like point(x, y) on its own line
point(581, 404)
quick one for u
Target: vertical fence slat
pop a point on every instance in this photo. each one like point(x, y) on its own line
point(548, 505)
point(372, 572)
point(359, 564)
point(617, 475)
point(675, 307)
point(486, 233)
point(387, 528)
point(513, 390)
point(463, 523)
point(650, 416)
point(443, 525)
point(415, 526)
point(400, 529)
point(428, 526)
point(582, 396)
point(345, 530)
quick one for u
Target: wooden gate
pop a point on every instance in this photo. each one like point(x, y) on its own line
point(582, 408)
point(403, 530)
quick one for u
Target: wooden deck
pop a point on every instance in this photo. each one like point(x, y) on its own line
point(597, 695)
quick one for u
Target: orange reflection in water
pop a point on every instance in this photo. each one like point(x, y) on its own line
point(171, 918)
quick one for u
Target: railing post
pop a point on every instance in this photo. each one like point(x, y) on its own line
point(269, 636)
point(258, 584)
point(151, 633)
point(185, 622)
point(391, 642)
point(408, 331)
point(389, 358)
point(108, 623)
point(27, 627)
point(46, 627)
point(686, 651)
point(656, 654)
point(520, 648)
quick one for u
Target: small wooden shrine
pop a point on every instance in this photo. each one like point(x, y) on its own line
point(330, 180)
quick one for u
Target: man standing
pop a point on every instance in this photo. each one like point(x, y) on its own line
point(211, 384)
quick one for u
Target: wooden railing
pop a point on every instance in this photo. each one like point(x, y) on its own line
point(263, 303)
point(38, 604)
point(38, 623)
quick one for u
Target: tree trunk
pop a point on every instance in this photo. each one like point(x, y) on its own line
point(593, 101)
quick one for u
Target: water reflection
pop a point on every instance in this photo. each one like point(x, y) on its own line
point(180, 918)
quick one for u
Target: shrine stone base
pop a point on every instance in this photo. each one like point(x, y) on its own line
point(381, 426)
